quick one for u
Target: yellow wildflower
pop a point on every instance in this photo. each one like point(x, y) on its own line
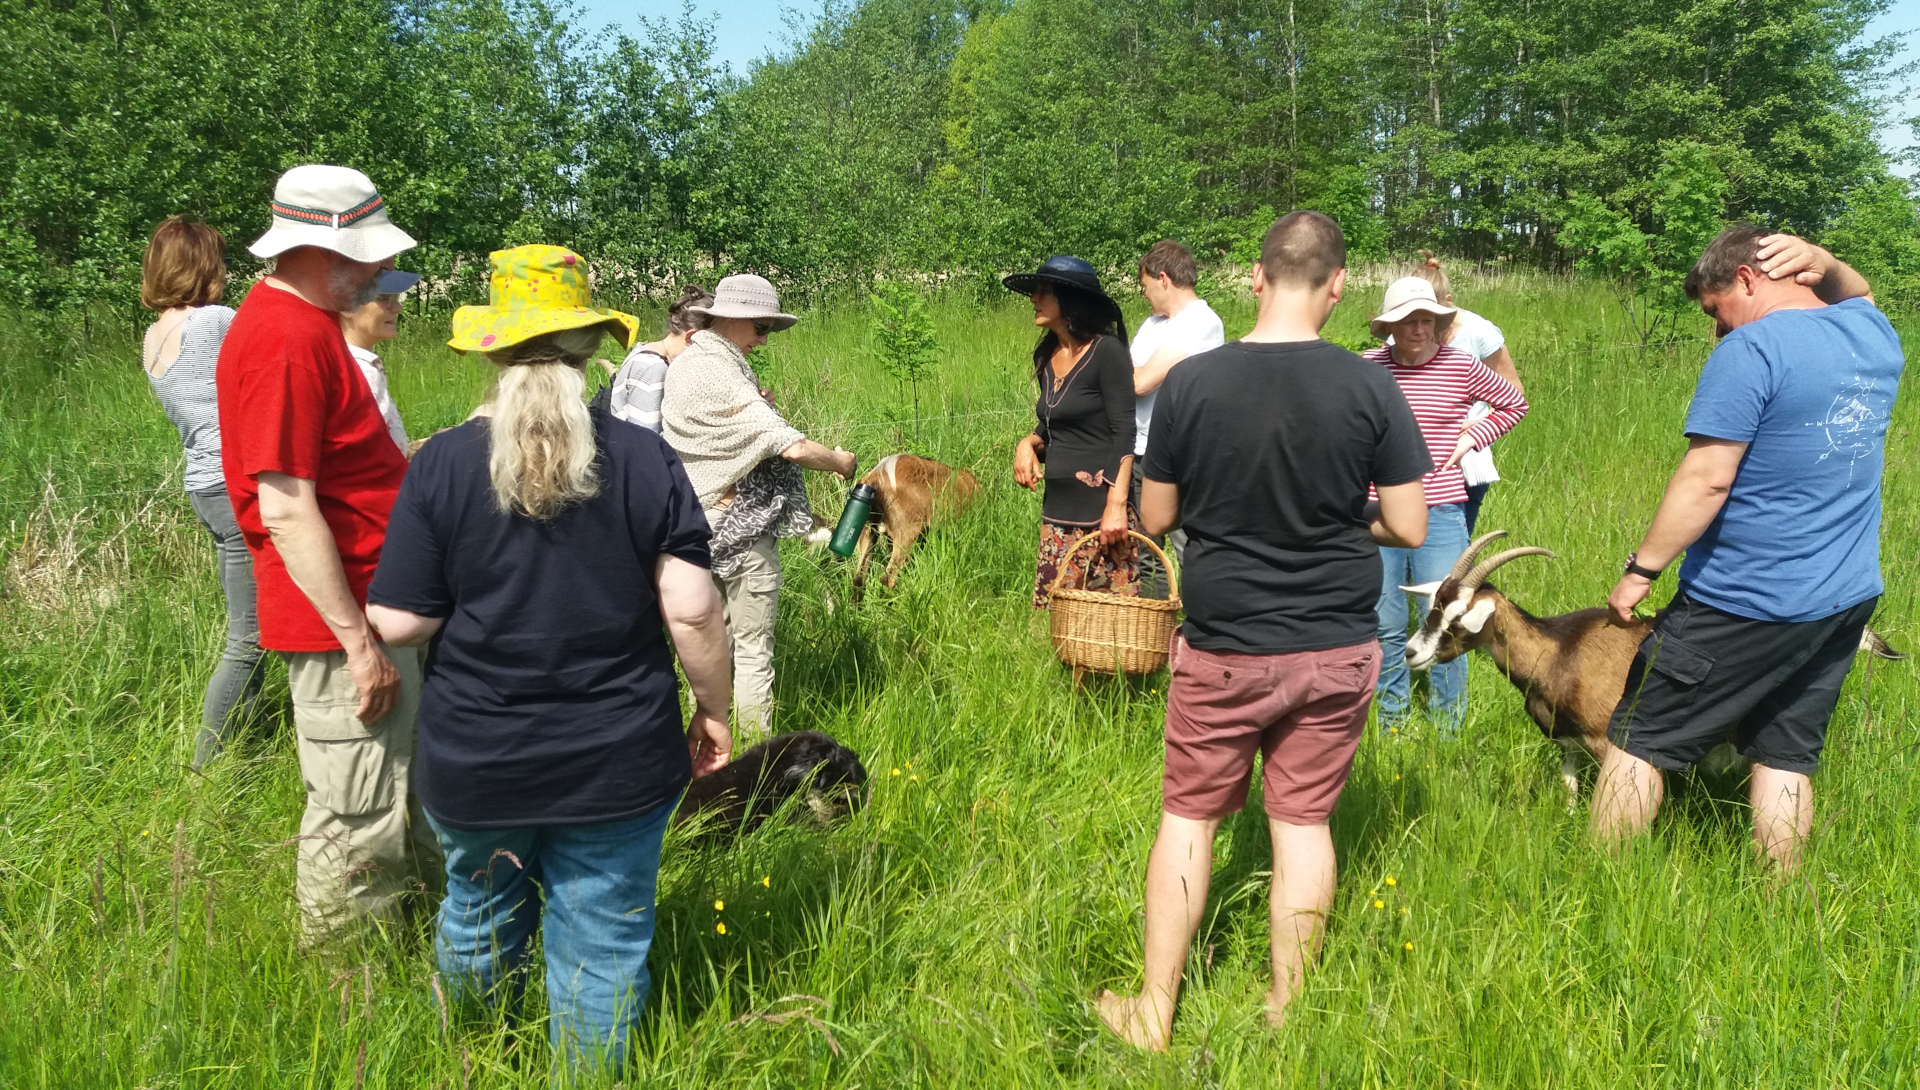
point(1408, 948)
point(1379, 904)
point(913, 779)
point(719, 929)
point(719, 906)
point(896, 772)
point(767, 880)
point(1390, 881)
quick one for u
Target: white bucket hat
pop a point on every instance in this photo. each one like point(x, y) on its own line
point(1404, 296)
point(334, 208)
point(745, 295)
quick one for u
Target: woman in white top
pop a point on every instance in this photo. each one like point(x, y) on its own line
point(183, 276)
point(370, 324)
point(1484, 340)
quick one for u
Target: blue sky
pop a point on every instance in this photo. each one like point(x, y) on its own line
point(747, 30)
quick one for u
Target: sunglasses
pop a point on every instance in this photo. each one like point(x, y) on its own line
point(763, 326)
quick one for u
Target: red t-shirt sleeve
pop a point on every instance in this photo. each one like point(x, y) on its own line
point(281, 407)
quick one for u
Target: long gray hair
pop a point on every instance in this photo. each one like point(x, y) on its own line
point(540, 441)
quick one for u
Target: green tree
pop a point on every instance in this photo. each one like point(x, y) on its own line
point(903, 338)
point(1645, 245)
point(1878, 233)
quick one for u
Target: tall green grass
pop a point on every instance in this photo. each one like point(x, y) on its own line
point(951, 934)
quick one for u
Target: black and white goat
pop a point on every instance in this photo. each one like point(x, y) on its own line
point(1571, 669)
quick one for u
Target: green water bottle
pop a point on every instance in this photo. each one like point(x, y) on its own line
point(853, 519)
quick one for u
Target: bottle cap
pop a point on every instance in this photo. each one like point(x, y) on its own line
point(865, 493)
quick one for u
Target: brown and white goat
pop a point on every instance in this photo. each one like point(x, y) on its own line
point(1572, 669)
point(915, 494)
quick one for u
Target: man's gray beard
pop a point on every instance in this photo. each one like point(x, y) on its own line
point(344, 286)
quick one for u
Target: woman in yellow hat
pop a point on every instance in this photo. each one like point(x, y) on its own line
point(542, 542)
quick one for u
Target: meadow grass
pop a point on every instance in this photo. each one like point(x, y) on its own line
point(952, 933)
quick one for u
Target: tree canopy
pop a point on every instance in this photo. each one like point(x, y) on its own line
point(947, 138)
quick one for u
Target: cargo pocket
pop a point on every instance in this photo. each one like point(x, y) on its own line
point(349, 778)
point(342, 761)
point(1679, 662)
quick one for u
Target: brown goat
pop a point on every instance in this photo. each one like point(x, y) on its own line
point(915, 494)
point(1571, 669)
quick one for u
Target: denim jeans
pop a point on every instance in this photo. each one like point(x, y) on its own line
point(1476, 495)
point(233, 694)
point(1446, 540)
point(591, 889)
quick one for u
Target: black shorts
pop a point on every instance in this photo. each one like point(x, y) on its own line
point(1705, 676)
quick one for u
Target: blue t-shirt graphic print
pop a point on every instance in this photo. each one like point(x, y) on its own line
point(1811, 392)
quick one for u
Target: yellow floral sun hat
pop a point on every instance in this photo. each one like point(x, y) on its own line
point(534, 290)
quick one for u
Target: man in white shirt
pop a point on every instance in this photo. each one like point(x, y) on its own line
point(1182, 324)
point(367, 326)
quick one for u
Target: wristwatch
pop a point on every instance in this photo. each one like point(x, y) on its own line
point(1649, 574)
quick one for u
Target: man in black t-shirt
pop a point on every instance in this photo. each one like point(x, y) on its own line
point(1264, 450)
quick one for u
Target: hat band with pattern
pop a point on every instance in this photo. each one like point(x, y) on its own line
point(322, 218)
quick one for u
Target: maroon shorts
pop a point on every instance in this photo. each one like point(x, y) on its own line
point(1305, 712)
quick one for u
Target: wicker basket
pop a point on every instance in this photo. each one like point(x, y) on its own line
point(1112, 633)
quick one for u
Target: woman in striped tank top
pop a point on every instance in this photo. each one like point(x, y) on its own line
point(1442, 383)
point(183, 276)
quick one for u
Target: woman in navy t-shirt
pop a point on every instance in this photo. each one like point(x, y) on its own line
point(539, 547)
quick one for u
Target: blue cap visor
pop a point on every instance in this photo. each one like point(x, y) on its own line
point(393, 281)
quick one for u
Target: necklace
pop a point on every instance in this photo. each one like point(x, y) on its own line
point(1059, 380)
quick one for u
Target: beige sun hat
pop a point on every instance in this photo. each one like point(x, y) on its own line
point(334, 208)
point(745, 295)
point(1405, 296)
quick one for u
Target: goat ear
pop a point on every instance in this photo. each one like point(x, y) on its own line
point(1424, 590)
point(1473, 620)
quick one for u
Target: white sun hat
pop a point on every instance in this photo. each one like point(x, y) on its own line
point(1405, 296)
point(334, 208)
point(745, 295)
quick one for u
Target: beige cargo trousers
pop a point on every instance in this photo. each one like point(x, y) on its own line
point(363, 840)
point(752, 601)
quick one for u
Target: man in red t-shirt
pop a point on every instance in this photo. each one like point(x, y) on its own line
point(312, 472)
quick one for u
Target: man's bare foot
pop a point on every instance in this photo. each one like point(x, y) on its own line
point(1135, 1019)
point(1276, 1007)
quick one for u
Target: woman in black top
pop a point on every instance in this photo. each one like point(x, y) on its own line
point(1082, 444)
point(548, 551)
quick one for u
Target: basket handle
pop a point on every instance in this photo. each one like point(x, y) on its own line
point(1173, 581)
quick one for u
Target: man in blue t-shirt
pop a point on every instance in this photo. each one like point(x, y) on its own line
point(1777, 507)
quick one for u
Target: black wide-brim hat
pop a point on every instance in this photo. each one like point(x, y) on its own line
point(1063, 270)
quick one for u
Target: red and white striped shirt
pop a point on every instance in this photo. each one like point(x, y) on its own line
point(1442, 391)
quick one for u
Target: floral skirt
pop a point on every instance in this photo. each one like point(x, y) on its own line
point(1116, 569)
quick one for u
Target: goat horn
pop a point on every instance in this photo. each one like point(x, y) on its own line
point(1461, 565)
point(1487, 567)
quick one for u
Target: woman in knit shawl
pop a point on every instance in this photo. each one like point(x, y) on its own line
point(744, 461)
